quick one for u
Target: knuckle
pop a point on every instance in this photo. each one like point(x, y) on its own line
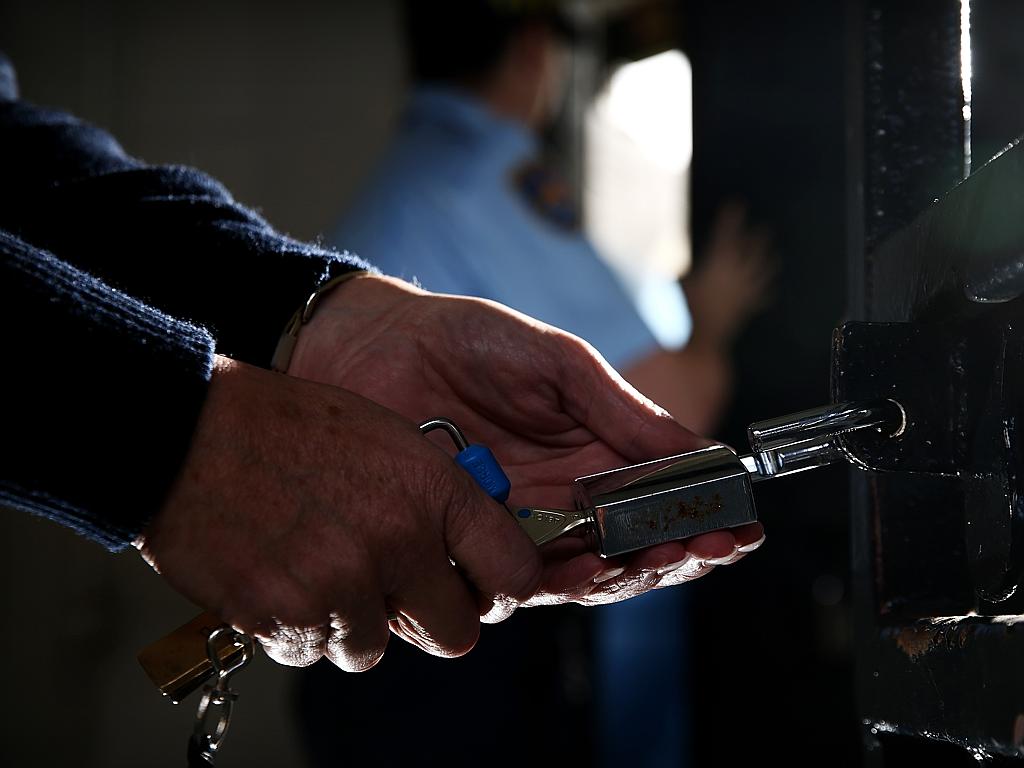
point(453, 497)
point(293, 646)
point(523, 579)
point(438, 492)
point(462, 642)
point(355, 659)
point(457, 500)
point(576, 353)
point(501, 608)
point(456, 638)
point(356, 646)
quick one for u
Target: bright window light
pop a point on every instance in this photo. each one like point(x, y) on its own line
point(649, 101)
point(965, 78)
point(638, 146)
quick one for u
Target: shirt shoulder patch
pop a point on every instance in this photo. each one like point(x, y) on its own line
point(547, 194)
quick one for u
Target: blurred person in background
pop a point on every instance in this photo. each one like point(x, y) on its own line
point(463, 202)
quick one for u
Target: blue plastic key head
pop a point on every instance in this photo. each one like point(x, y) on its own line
point(481, 464)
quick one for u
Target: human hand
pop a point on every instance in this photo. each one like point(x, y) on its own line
point(734, 280)
point(544, 401)
point(304, 513)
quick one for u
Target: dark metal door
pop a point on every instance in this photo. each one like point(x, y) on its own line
point(936, 312)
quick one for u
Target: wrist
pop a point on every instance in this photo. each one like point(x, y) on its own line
point(367, 292)
point(347, 314)
point(220, 395)
point(289, 337)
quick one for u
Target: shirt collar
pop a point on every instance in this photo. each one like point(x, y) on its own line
point(460, 114)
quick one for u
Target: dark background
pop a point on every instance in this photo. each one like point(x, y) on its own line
point(769, 128)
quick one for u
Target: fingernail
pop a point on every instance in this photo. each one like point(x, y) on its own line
point(609, 574)
point(722, 560)
point(751, 547)
point(673, 566)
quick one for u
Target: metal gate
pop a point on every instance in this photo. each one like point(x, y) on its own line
point(936, 308)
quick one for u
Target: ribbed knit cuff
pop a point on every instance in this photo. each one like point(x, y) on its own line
point(102, 394)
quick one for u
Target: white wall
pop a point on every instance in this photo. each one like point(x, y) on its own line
point(287, 103)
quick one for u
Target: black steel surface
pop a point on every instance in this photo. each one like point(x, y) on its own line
point(937, 533)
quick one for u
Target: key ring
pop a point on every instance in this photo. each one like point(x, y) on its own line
point(217, 698)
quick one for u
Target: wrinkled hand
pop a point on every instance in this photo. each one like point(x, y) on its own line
point(304, 513)
point(543, 400)
point(733, 281)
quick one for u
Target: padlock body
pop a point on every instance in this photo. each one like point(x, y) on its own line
point(667, 499)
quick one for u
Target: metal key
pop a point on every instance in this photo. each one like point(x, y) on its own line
point(710, 489)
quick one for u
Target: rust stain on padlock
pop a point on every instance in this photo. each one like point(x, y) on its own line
point(668, 499)
point(698, 509)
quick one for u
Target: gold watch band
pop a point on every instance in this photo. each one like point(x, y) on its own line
point(286, 344)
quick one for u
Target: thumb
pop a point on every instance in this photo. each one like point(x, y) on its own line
point(494, 554)
point(605, 403)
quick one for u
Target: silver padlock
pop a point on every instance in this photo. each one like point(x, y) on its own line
point(677, 497)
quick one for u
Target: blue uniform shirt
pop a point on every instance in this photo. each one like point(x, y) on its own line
point(449, 207)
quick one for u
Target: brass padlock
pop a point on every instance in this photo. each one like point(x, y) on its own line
point(179, 663)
